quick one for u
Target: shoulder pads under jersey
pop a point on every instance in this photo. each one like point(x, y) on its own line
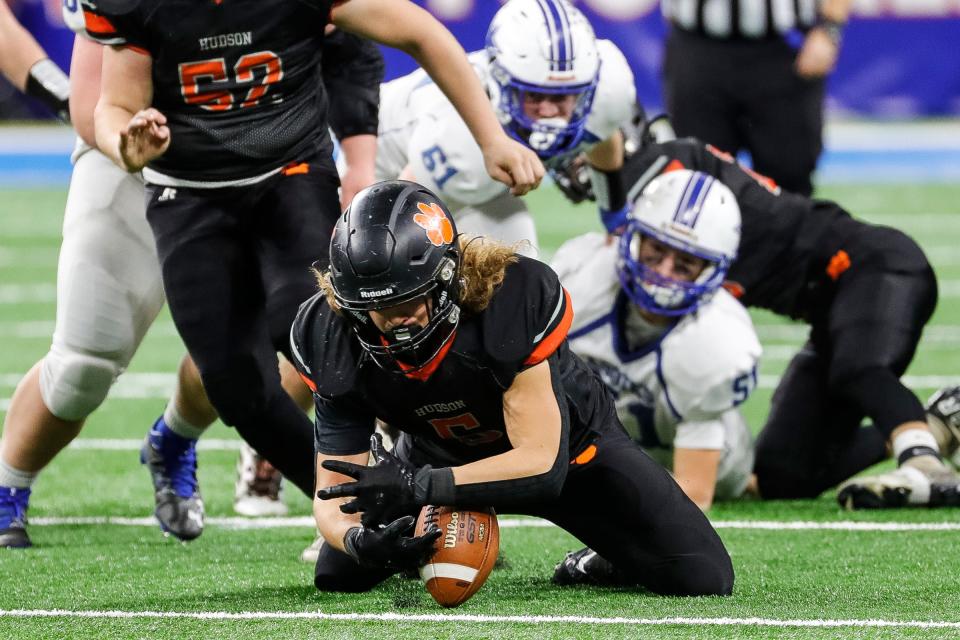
point(616, 93)
point(709, 361)
point(586, 266)
point(321, 344)
point(528, 317)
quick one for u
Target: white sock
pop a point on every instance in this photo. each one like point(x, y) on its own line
point(913, 438)
point(10, 477)
point(179, 425)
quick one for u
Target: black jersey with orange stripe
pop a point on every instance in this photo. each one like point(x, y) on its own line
point(786, 239)
point(456, 415)
point(238, 80)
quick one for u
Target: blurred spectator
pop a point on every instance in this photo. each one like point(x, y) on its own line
point(750, 75)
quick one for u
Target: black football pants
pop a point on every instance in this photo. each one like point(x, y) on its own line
point(865, 328)
point(236, 267)
point(745, 95)
point(623, 505)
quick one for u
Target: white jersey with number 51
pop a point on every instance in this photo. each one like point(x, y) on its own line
point(675, 387)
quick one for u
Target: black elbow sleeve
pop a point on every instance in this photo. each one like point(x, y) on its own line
point(504, 496)
point(353, 69)
point(608, 187)
point(353, 110)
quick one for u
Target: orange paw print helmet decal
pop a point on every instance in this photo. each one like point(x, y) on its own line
point(434, 221)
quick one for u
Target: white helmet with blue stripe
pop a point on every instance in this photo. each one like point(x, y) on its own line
point(542, 47)
point(692, 212)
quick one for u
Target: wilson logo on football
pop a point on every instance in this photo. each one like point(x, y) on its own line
point(432, 220)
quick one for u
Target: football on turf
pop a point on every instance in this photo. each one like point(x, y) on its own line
point(466, 552)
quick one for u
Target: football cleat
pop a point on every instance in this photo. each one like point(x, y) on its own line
point(311, 553)
point(13, 518)
point(585, 567)
point(943, 417)
point(172, 462)
point(259, 488)
point(906, 486)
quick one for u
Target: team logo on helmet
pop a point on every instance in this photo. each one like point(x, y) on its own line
point(432, 220)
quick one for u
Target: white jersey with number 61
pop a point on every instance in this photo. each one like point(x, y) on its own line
point(422, 133)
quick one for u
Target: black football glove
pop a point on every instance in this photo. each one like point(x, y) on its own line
point(572, 177)
point(382, 492)
point(389, 546)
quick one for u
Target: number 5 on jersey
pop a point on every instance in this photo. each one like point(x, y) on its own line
point(463, 428)
point(744, 385)
point(206, 83)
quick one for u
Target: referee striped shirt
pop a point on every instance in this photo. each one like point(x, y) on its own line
point(754, 19)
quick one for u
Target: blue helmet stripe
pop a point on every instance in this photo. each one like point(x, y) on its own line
point(566, 55)
point(552, 31)
point(561, 42)
point(691, 202)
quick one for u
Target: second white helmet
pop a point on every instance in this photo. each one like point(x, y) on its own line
point(689, 211)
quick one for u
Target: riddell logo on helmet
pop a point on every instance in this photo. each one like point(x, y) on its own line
point(376, 293)
point(683, 230)
point(432, 220)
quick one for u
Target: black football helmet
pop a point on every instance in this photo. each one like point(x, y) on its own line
point(397, 241)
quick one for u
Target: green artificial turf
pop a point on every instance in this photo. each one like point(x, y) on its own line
point(782, 575)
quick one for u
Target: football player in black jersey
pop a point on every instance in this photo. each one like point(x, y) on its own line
point(461, 345)
point(221, 106)
point(867, 291)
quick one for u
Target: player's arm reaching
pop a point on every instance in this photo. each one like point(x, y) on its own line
point(392, 545)
point(537, 432)
point(411, 29)
point(384, 536)
point(24, 63)
point(537, 424)
point(535, 467)
point(708, 382)
point(695, 470)
point(128, 130)
point(331, 522)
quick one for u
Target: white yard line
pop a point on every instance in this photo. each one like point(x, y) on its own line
point(238, 522)
point(798, 332)
point(150, 386)
point(914, 382)
point(46, 292)
point(939, 223)
point(27, 293)
point(27, 329)
point(938, 334)
point(20, 257)
point(476, 618)
point(128, 444)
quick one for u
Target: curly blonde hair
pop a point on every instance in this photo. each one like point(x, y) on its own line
point(483, 265)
